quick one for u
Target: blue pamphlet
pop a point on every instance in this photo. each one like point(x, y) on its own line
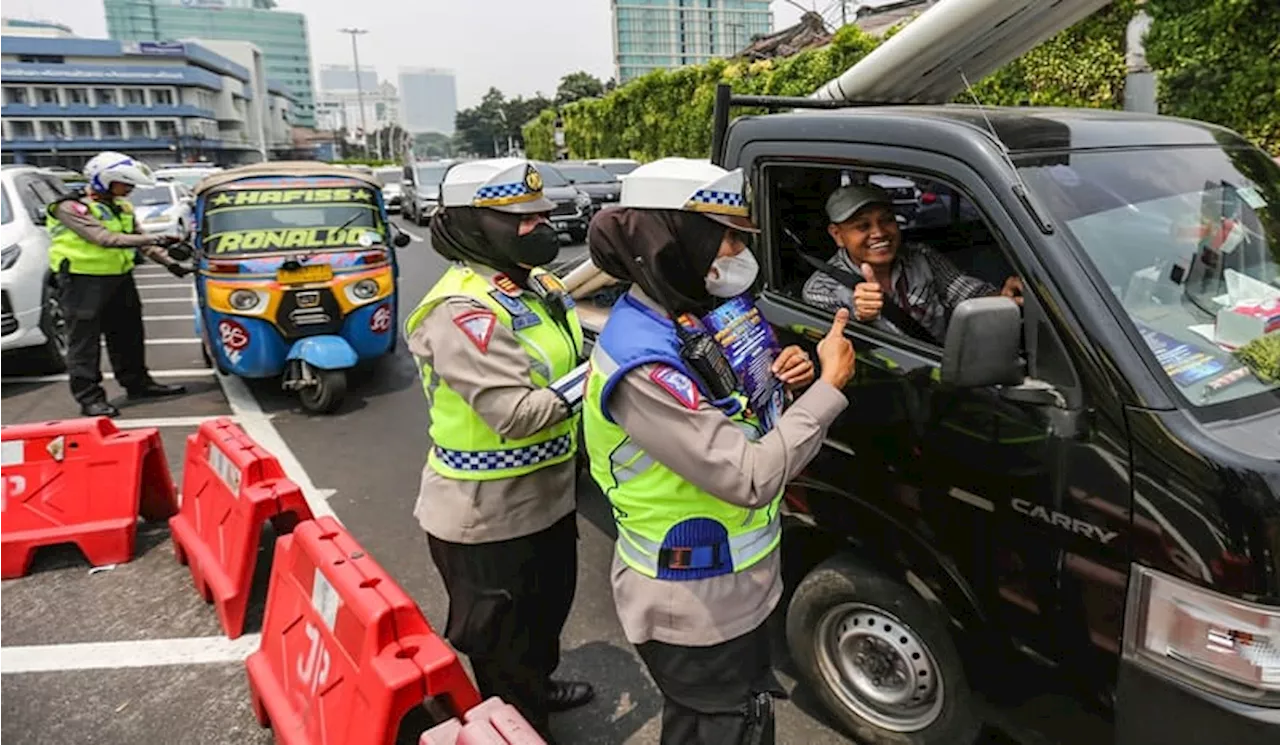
point(1184, 363)
point(751, 347)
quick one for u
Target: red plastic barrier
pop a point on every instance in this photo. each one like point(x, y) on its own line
point(79, 481)
point(345, 652)
point(230, 486)
point(491, 723)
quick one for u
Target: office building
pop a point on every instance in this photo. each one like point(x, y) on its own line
point(338, 102)
point(282, 36)
point(66, 99)
point(428, 100)
point(663, 34)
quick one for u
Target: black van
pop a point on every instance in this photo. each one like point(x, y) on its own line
point(1082, 494)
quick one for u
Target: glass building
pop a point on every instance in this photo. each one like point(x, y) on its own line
point(281, 35)
point(662, 34)
point(429, 99)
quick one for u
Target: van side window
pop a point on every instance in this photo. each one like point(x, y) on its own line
point(946, 253)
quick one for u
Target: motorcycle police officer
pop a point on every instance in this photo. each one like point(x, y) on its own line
point(499, 346)
point(694, 481)
point(94, 238)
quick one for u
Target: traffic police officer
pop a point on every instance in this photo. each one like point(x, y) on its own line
point(94, 239)
point(695, 485)
point(500, 349)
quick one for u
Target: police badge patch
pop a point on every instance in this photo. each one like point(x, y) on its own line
point(532, 179)
point(678, 385)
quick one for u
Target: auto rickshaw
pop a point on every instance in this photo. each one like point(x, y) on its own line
point(296, 275)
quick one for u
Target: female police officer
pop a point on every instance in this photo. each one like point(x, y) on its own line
point(695, 487)
point(498, 342)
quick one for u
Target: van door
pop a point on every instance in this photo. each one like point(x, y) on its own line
point(1027, 500)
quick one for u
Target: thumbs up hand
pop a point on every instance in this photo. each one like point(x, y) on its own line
point(835, 352)
point(868, 298)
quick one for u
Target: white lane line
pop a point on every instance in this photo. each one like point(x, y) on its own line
point(257, 424)
point(416, 238)
point(165, 286)
point(166, 342)
point(186, 299)
point(114, 655)
point(168, 421)
point(175, 317)
point(186, 372)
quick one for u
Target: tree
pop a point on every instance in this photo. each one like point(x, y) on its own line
point(432, 145)
point(578, 85)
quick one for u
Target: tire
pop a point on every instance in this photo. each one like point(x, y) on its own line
point(845, 609)
point(51, 357)
point(578, 235)
point(326, 395)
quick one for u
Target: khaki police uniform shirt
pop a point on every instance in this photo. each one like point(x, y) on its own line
point(80, 220)
point(497, 385)
point(706, 448)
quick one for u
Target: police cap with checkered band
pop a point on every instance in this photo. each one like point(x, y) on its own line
point(692, 186)
point(511, 185)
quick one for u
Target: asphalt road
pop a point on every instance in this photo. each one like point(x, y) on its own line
point(133, 655)
point(92, 657)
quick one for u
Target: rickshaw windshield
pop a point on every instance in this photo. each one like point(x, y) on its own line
point(247, 219)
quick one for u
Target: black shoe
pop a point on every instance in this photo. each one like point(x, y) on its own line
point(563, 695)
point(99, 408)
point(156, 390)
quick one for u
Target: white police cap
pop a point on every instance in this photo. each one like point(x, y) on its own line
point(504, 184)
point(692, 186)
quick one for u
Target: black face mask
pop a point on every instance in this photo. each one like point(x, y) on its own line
point(538, 247)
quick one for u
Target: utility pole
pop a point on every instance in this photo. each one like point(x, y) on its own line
point(355, 58)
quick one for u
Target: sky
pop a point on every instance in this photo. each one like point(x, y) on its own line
point(518, 46)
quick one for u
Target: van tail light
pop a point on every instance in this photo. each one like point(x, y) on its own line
point(223, 267)
point(928, 198)
point(1201, 637)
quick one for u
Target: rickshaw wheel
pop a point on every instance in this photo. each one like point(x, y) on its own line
point(326, 395)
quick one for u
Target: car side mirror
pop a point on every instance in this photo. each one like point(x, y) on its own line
point(983, 344)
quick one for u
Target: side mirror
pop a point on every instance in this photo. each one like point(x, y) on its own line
point(400, 240)
point(983, 344)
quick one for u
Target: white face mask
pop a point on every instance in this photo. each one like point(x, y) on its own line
point(731, 276)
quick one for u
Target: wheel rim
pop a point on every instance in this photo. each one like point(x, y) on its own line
point(879, 667)
point(56, 325)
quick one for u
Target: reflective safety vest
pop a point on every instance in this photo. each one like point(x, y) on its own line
point(87, 257)
point(667, 527)
point(464, 446)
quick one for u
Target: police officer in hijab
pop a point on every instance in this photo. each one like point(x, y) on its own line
point(499, 347)
point(694, 481)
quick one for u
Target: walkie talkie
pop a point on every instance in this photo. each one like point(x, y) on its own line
point(707, 360)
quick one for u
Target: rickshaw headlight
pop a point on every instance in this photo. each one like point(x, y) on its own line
point(365, 289)
point(243, 300)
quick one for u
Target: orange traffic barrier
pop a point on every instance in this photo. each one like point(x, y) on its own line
point(493, 722)
point(230, 487)
point(345, 652)
point(80, 481)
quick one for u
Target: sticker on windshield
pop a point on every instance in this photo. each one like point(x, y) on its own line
point(1251, 197)
point(290, 196)
point(256, 240)
point(1184, 363)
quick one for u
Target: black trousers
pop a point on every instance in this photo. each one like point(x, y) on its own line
point(717, 695)
point(96, 307)
point(508, 602)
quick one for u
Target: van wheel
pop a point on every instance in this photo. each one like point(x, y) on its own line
point(879, 658)
point(326, 395)
point(52, 357)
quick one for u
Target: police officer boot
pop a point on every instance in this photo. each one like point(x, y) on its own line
point(152, 389)
point(563, 695)
point(99, 408)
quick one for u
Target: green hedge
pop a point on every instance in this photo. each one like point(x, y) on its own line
point(668, 112)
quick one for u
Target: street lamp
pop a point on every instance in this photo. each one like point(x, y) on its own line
point(355, 58)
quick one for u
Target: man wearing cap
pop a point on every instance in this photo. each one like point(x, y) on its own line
point(694, 481)
point(499, 347)
point(918, 280)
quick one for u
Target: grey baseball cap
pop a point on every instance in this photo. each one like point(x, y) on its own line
point(847, 200)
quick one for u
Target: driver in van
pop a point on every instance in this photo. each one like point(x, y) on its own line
point(919, 280)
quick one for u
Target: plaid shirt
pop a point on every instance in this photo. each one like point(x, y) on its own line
point(925, 284)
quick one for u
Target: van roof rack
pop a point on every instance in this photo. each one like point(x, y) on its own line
point(726, 100)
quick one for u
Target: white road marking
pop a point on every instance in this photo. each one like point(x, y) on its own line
point(414, 236)
point(186, 299)
point(165, 286)
point(114, 655)
point(168, 421)
point(257, 424)
point(176, 317)
point(166, 342)
point(186, 372)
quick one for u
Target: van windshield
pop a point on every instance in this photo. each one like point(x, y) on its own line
point(1188, 240)
point(238, 221)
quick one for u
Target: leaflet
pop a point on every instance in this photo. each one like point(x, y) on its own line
point(751, 347)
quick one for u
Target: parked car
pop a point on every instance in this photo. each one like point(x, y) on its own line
point(32, 319)
point(166, 207)
point(420, 190)
point(392, 194)
point(603, 187)
point(573, 211)
point(616, 166)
